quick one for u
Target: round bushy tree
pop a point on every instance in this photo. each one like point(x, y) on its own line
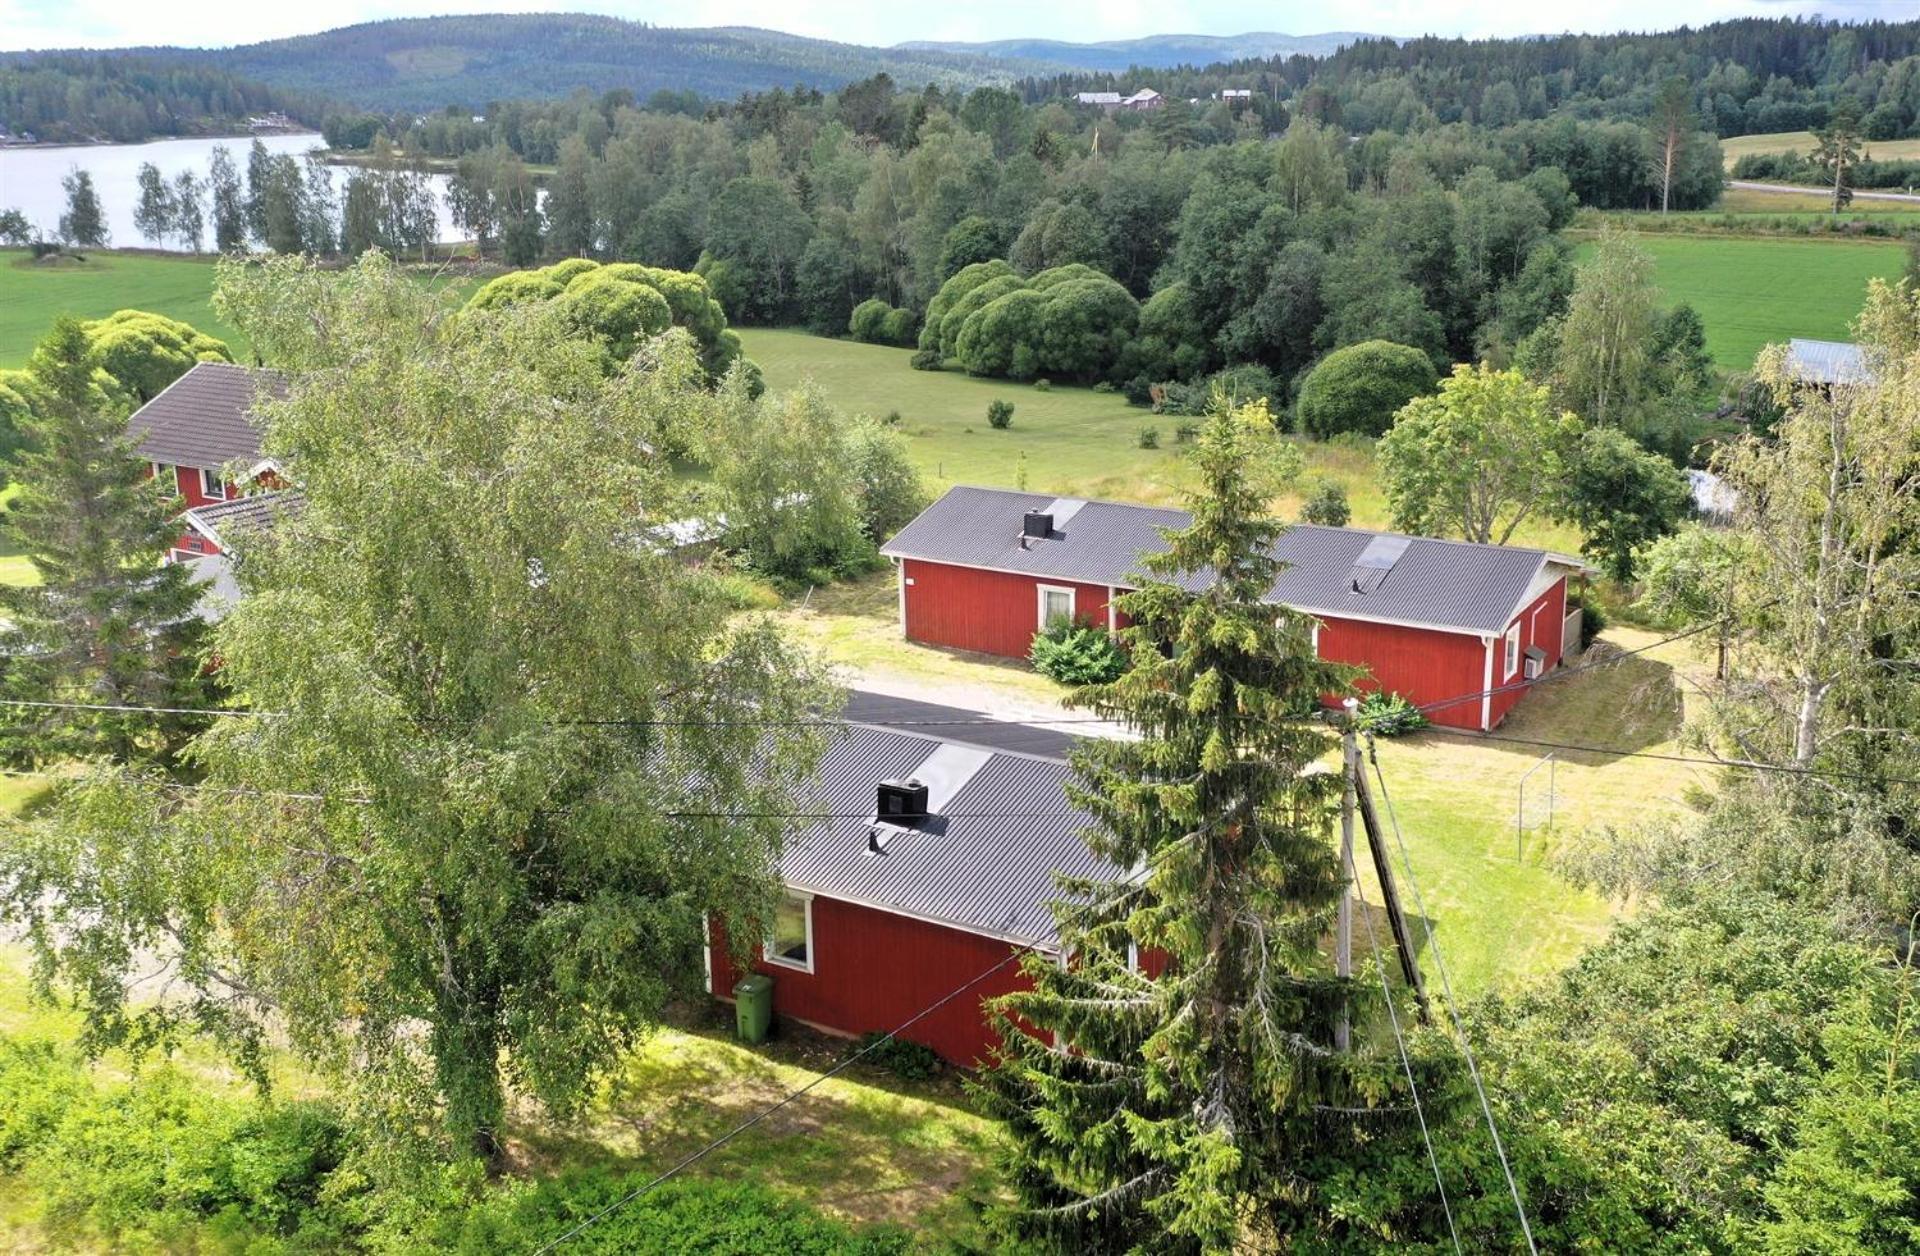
point(963, 281)
point(143, 352)
point(623, 303)
point(1361, 387)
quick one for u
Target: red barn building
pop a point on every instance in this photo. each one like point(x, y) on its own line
point(1455, 627)
point(199, 435)
point(882, 918)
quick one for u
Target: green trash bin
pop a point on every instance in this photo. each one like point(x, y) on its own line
point(753, 1006)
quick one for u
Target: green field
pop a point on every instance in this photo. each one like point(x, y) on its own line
point(33, 294)
point(1760, 291)
point(1071, 441)
point(1800, 141)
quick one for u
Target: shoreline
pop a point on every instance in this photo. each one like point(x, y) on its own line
point(40, 146)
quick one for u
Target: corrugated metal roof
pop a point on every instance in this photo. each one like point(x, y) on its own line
point(204, 418)
point(1453, 585)
point(1826, 362)
point(985, 863)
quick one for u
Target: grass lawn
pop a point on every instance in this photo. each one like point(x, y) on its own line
point(1801, 141)
point(1071, 441)
point(1811, 205)
point(33, 294)
point(1764, 290)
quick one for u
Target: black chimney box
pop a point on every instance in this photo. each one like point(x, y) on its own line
point(901, 801)
point(1038, 524)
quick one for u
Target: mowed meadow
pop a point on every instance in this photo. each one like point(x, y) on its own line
point(1760, 290)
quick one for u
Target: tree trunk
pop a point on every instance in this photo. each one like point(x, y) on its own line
point(466, 1059)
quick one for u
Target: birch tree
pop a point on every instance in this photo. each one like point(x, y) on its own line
point(1671, 125)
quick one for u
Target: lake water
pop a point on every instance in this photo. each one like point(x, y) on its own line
point(30, 178)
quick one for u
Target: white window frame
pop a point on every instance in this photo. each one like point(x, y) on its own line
point(781, 961)
point(1040, 603)
point(158, 468)
point(1511, 659)
point(211, 484)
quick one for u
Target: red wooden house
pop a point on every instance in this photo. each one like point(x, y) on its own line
point(1456, 627)
point(883, 917)
point(199, 434)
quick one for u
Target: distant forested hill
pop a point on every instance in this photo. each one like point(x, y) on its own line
point(129, 98)
point(1152, 50)
point(422, 64)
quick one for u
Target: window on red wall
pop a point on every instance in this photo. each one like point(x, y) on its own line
point(210, 483)
point(790, 942)
point(1513, 652)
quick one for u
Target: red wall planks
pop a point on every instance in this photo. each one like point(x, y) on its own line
point(1542, 623)
point(995, 612)
point(1418, 663)
point(873, 970)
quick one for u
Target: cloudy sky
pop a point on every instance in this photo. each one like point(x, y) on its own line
point(119, 23)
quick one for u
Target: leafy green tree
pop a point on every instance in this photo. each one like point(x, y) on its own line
point(107, 623)
point(518, 205)
point(189, 210)
point(756, 226)
point(1189, 1111)
point(569, 208)
point(1622, 498)
point(259, 175)
point(785, 481)
point(1837, 151)
point(1361, 387)
point(620, 304)
point(1325, 503)
point(83, 223)
point(283, 206)
point(972, 239)
point(1478, 459)
point(142, 353)
point(229, 207)
point(520, 722)
point(1603, 357)
point(15, 230)
point(827, 282)
point(153, 208)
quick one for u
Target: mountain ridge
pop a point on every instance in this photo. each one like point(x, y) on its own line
point(1161, 51)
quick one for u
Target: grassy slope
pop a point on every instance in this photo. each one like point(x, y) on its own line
point(1754, 292)
point(1800, 141)
point(33, 295)
point(1075, 441)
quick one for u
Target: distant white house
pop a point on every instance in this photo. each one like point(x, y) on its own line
point(1234, 93)
point(1105, 100)
point(1145, 98)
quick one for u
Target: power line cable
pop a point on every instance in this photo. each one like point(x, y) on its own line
point(1406, 1061)
point(1563, 672)
point(1453, 1009)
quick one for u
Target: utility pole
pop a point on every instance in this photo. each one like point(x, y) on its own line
point(1389, 894)
point(1343, 929)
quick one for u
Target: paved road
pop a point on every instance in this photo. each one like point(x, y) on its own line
point(1911, 198)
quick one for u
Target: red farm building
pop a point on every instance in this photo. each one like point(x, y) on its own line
point(883, 918)
point(199, 435)
point(1454, 627)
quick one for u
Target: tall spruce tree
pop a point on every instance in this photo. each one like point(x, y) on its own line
point(1187, 1107)
point(108, 624)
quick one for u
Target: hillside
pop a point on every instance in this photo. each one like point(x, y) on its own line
point(77, 97)
point(1157, 51)
point(422, 64)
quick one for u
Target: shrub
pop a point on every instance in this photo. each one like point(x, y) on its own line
point(1042, 385)
point(999, 414)
point(1246, 383)
point(1593, 618)
point(1388, 715)
point(864, 323)
point(906, 1060)
point(1361, 387)
point(1149, 437)
point(1185, 432)
point(680, 1216)
point(926, 360)
point(1077, 654)
point(1326, 503)
point(1104, 386)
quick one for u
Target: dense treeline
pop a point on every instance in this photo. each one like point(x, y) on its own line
point(72, 96)
point(1748, 76)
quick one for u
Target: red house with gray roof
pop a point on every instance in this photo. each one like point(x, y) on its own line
point(1459, 628)
point(885, 915)
point(199, 434)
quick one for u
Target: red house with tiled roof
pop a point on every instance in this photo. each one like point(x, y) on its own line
point(1459, 628)
point(199, 434)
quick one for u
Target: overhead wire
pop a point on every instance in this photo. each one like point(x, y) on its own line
point(1406, 1062)
point(1133, 882)
point(1453, 1009)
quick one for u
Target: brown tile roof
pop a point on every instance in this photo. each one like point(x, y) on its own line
point(204, 418)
